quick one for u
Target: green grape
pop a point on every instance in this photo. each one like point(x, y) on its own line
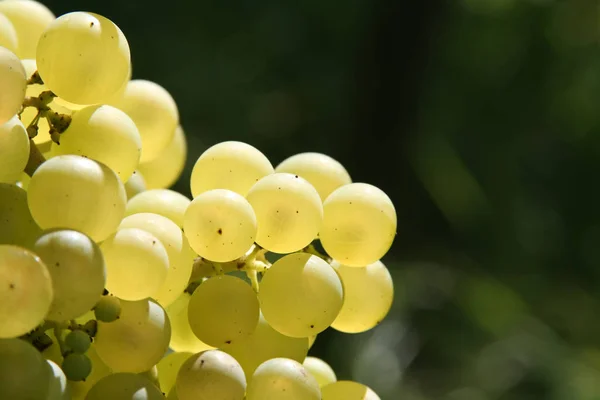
point(222, 310)
point(182, 337)
point(368, 296)
point(282, 379)
point(24, 374)
point(83, 58)
point(75, 192)
point(134, 186)
point(220, 225)
point(124, 386)
point(16, 223)
point(136, 264)
point(180, 255)
point(78, 341)
point(348, 390)
point(168, 368)
point(30, 19)
point(162, 172)
point(235, 166)
point(320, 170)
point(312, 339)
point(13, 83)
point(108, 309)
point(154, 112)
point(105, 134)
point(211, 375)
point(99, 370)
point(76, 367)
point(264, 344)
point(320, 370)
point(8, 34)
point(300, 295)
point(77, 270)
point(57, 387)
point(288, 210)
point(26, 291)
point(14, 150)
point(137, 340)
point(165, 202)
point(359, 224)
point(173, 395)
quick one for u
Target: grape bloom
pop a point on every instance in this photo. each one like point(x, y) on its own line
point(113, 286)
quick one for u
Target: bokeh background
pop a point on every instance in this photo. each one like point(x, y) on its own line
point(479, 118)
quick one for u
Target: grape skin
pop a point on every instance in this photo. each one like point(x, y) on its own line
point(24, 374)
point(168, 368)
point(320, 370)
point(162, 171)
point(182, 337)
point(14, 150)
point(282, 379)
point(16, 223)
point(13, 83)
point(348, 390)
point(30, 19)
point(165, 202)
point(124, 386)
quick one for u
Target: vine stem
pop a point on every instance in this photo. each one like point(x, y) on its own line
point(35, 158)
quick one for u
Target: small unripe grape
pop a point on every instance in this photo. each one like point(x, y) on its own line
point(78, 341)
point(77, 367)
point(108, 309)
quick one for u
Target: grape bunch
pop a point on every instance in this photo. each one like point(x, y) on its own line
point(114, 287)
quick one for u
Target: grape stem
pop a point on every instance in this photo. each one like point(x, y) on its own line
point(35, 158)
point(253, 276)
point(311, 249)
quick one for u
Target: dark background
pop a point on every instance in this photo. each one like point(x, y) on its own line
point(479, 118)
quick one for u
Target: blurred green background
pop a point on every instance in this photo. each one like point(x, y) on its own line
point(480, 119)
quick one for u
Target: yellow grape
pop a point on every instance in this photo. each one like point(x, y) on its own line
point(26, 291)
point(282, 379)
point(264, 344)
point(154, 112)
point(311, 340)
point(13, 83)
point(136, 264)
point(235, 166)
point(57, 383)
point(320, 170)
point(151, 375)
point(30, 19)
point(168, 368)
point(359, 224)
point(16, 223)
point(222, 310)
point(210, 375)
point(165, 202)
point(300, 295)
point(75, 192)
point(134, 186)
point(77, 270)
point(83, 57)
point(137, 340)
point(348, 390)
point(320, 370)
point(105, 134)
point(8, 34)
point(220, 225)
point(124, 386)
point(24, 374)
point(182, 337)
point(162, 171)
point(14, 150)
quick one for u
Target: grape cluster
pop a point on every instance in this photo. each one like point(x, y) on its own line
point(114, 287)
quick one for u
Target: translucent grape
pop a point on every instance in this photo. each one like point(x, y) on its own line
point(77, 193)
point(83, 58)
point(57, 387)
point(168, 368)
point(108, 309)
point(16, 223)
point(229, 165)
point(137, 340)
point(222, 310)
point(320, 370)
point(78, 341)
point(288, 210)
point(264, 344)
point(162, 171)
point(76, 367)
point(30, 19)
point(136, 264)
point(211, 375)
point(24, 374)
point(26, 292)
point(173, 395)
point(151, 375)
point(77, 269)
point(99, 370)
point(165, 202)
point(14, 150)
point(300, 295)
point(320, 170)
point(282, 379)
point(220, 225)
point(368, 296)
point(8, 34)
point(105, 134)
point(13, 83)
point(312, 339)
point(182, 337)
point(180, 255)
point(348, 390)
point(154, 112)
point(124, 386)
point(134, 186)
point(359, 224)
